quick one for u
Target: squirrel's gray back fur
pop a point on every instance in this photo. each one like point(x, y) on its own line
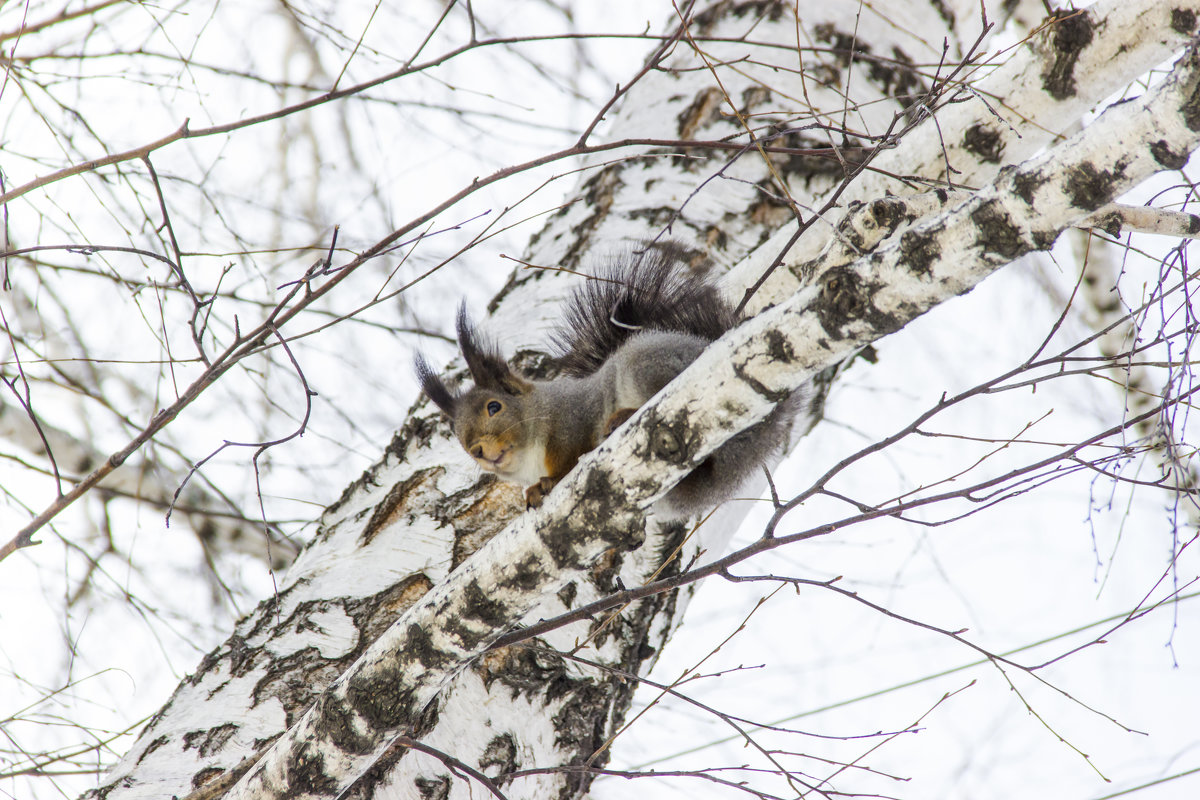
point(651, 291)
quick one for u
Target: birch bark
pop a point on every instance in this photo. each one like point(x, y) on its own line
point(383, 627)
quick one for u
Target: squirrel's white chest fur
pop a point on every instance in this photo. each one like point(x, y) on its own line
point(528, 465)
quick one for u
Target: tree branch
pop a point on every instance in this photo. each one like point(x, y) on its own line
point(597, 506)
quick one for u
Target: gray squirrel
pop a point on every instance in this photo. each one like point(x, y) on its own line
point(625, 334)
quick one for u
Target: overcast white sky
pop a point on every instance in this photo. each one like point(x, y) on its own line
point(1041, 566)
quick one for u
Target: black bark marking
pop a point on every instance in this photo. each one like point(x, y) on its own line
point(527, 576)
point(889, 212)
point(848, 230)
point(242, 657)
point(985, 142)
point(948, 16)
point(716, 238)
point(380, 699)
point(567, 594)
point(801, 165)
point(719, 12)
point(769, 207)
point(579, 727)
point(753, 97)
point(336, 721)
point(421, 646)
point(524, 671)
point(604, 576)
point(384, 765)
point(1109, 223)
point(375, 614)
point(417, 432)
point(655, 217)
point(500, 752)
point(841, 300)
point(896, 78)
point(306, 772)
point(478, 605)
point(297, 679)
point(150, 748)
point(884, 214)
point(1191, 104)
point(1044, 240)
point(846, 298)
point(1090, 188)
point(593, 515)
point(997, 233)
point(779, 349)
point(1026, 184)
point(919, 250)
point(598, 194)
point(842, 43)
point(466, 635)
point(433, 788)
point(1183, 21)
point(1068, 37)
point(209, 741)
point(672, 439)
point(1161, 150)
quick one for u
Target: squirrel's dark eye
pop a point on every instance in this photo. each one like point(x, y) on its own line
point(493, 408)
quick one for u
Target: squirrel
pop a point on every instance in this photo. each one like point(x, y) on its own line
point(625, 334)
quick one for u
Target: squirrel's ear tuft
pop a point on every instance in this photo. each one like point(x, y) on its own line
point(487, 366)
point(433, 386)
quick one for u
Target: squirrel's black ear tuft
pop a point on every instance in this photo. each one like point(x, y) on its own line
point(487, 366)
point(433, 386)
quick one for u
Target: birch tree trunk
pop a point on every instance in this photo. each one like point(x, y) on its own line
point(373, 671)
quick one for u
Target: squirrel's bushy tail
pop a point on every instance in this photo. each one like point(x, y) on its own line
point(647, 290)
point(720, 475)
point(654, 290)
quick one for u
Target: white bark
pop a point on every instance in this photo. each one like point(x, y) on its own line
point(1025, 104)
point(372, 633)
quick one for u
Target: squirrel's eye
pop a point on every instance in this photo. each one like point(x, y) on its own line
point(493, 408)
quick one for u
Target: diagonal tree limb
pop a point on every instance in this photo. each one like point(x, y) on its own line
point(988, 123)
point(744, 375)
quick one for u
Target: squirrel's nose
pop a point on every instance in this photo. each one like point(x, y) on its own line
point(477, 451)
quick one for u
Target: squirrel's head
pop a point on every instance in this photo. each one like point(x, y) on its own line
point(491, 419)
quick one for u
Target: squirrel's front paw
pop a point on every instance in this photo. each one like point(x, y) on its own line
point(536, 493)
